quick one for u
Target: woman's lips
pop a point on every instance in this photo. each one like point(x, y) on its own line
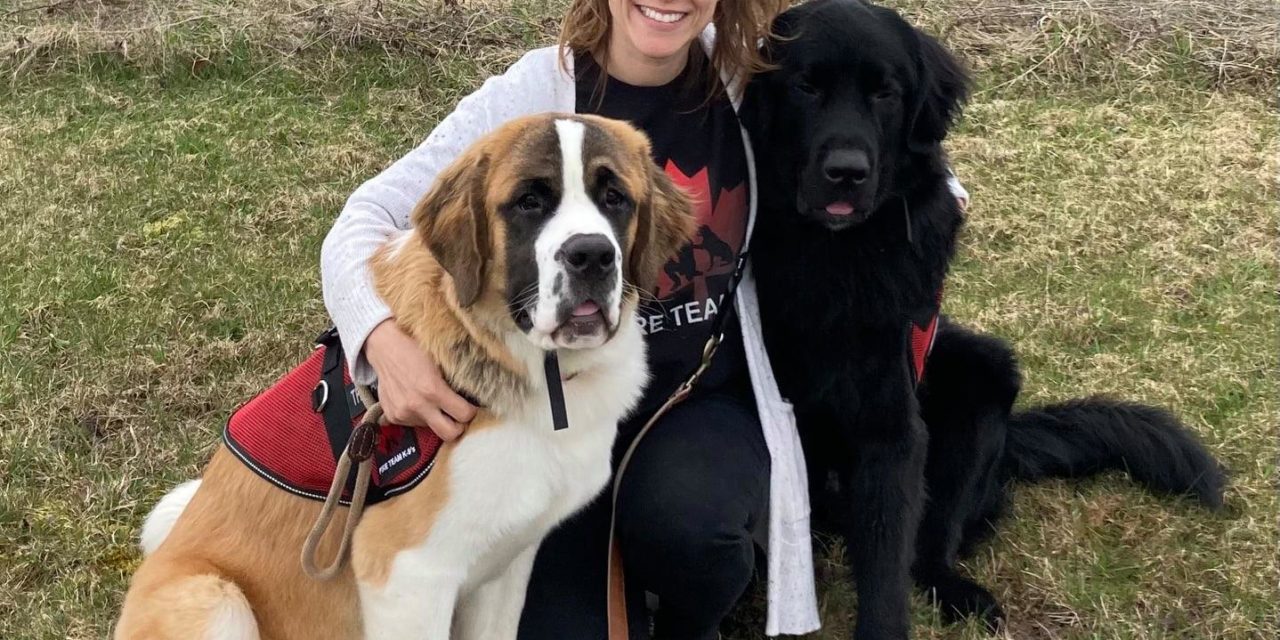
point(663, 18)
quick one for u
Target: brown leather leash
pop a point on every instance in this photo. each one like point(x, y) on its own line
point(616, 592)
point(360, 447)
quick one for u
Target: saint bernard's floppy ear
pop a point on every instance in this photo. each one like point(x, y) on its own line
point(453, 220)
point(665, 225)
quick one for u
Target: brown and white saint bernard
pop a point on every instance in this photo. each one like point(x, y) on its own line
point(539, 237)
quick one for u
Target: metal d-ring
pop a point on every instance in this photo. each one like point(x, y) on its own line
point(320, 396)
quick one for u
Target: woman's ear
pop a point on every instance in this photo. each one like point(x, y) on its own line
point(664, 226)
point(940, 91)
point(454, 222)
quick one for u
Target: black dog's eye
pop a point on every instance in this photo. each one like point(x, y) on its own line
point(805, 88)
point(885, 93)
point(614, 198)
point(529, 203)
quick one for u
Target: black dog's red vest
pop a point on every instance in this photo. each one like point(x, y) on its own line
point(922, 332)
point(283, 434)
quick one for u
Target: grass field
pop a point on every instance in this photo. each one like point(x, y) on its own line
point(165, 186)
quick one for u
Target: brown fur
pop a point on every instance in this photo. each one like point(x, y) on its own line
point(239, 535)
point(239, 538)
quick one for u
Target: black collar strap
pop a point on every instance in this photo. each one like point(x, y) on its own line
point(555, 389)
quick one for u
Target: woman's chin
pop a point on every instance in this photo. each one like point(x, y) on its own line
point(662, 48)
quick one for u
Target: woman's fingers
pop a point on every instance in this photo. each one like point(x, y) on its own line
point(456, 406)
point(444, 426)
point(413, 393)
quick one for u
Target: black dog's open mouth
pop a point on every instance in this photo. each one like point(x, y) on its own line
point(838, 215)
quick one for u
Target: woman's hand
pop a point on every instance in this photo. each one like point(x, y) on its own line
point(411, 390)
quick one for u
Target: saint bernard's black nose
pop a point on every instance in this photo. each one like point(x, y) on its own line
point(588, 255)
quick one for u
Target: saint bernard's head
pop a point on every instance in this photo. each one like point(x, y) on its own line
point(561, 221)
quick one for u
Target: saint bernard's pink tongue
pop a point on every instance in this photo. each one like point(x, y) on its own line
point(839, 208)
point(585, 309)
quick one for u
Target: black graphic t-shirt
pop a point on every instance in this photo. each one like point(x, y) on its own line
point(699, 145)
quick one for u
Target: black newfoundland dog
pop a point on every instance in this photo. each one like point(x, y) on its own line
point(854, 203)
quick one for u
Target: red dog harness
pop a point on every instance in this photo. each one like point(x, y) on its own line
point(293, 433)
point(923, 331)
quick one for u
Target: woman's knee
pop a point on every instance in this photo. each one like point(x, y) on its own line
point(691, 500)
point(681, 530)
point(690, 519)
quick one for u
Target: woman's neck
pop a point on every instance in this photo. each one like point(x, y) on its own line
point(642, 71)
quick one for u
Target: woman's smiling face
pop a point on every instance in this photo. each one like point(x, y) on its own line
point(656, 30)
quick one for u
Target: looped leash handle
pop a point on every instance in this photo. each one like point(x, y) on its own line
point(360, 449)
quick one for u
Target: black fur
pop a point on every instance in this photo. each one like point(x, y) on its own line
point(839, 284)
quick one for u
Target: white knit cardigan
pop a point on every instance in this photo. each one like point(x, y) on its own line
point(538, 83)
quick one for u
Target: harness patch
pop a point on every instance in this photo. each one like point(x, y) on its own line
point(282, 437)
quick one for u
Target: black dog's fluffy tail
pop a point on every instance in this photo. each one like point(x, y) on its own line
point(1083, 437)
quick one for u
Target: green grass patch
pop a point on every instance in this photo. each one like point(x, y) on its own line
point(162, 231)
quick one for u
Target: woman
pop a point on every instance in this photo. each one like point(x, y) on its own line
point(723, 468)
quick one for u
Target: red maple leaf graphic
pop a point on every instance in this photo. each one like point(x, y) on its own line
point(720, 234)
point(697, 188)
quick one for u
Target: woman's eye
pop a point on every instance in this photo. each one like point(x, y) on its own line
point(528, 204)
point(884, 94)
point(613, 198)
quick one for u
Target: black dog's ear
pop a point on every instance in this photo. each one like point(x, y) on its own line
point(755, 110)
point(941, 89)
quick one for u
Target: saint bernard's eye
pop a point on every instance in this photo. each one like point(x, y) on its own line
point(529, 204)
point(614, 198)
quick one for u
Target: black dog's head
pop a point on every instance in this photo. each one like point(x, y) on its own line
point(859, 99)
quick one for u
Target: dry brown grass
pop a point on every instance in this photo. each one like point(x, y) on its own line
point(39, 35)
point(1223, 43)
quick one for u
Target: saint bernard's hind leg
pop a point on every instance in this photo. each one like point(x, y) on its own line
point(492, 611)
point(202, 606)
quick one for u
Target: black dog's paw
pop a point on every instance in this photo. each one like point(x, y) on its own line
point(959, 599)
point(896, 631)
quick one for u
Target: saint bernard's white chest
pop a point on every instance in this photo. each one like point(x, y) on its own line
point(509, 484)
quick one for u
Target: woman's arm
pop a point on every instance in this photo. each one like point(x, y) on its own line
point(379, 208)
point(958, 190)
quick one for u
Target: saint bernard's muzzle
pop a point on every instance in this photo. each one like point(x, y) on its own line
point(563, 220)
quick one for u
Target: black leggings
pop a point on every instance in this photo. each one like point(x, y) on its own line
point(694, 493)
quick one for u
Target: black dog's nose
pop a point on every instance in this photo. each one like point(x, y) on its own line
point(588, 254)
point(847, 165)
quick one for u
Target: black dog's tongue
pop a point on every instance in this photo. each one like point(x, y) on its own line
point(840, 209)
point(559, 415)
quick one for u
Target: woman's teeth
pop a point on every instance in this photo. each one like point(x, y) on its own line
point(659, 16)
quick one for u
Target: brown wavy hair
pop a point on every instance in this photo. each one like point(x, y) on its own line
point(740, 24)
